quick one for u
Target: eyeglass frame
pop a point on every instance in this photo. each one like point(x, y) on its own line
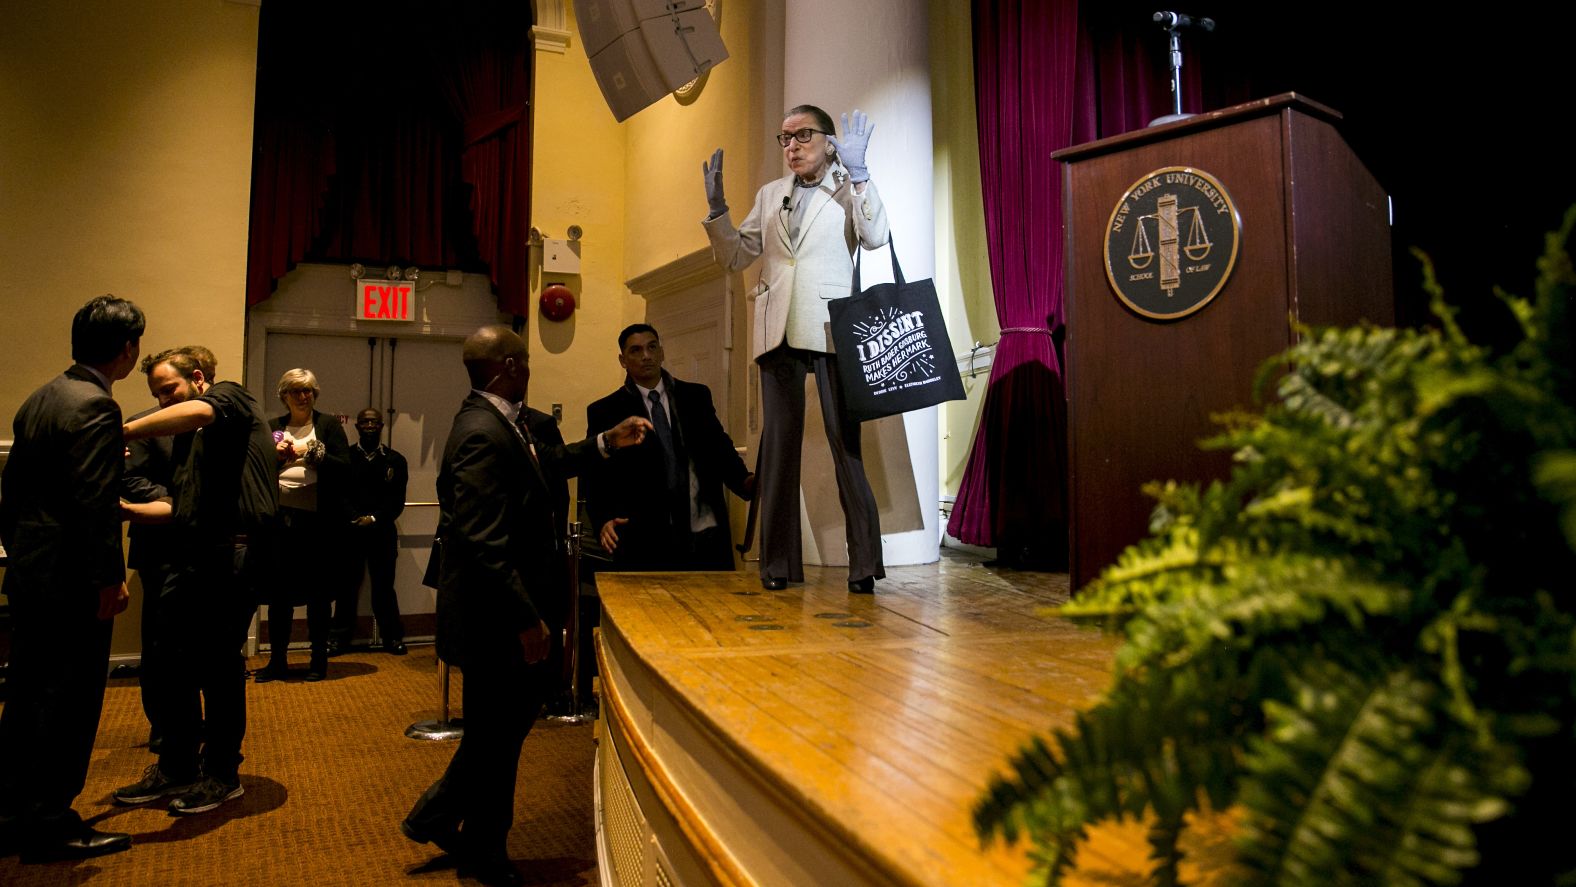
point(784, 137)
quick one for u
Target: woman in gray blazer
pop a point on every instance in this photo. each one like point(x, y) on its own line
point(805, 226)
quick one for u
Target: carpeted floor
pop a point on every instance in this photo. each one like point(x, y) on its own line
point(328, 776)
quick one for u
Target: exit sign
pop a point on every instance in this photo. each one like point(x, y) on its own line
point(385, 300)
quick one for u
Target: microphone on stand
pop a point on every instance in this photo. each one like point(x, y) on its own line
point(1174, 20)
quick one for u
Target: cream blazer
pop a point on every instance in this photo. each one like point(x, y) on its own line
point(799, 277)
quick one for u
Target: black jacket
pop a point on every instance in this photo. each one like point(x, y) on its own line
point(150, 475)
point(60, 495)
point(333, 473)
point(631, 485)
point(498, 548)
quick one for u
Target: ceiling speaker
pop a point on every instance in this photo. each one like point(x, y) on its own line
point(642, 50)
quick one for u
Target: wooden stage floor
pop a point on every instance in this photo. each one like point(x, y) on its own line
point(872, 722)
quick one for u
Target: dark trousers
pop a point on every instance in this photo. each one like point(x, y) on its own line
point(501, 702)
point(59, 661)
point(710, 549)
point(200, 672)
point(374, 547)
point(308, 550)
point(147, 674)
point(782, 438)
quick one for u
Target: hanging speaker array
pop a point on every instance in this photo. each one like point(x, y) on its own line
point(642, 50)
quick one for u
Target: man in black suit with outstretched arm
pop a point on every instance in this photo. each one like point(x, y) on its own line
point(660, 506)
point(497, 541)
point(66, 580)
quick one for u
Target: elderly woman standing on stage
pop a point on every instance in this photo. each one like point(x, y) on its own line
point(805, 226)
point(314, 459)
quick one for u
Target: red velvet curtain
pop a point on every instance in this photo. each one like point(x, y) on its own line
point(373, 148)
point(1048, 74)
point(489, 91)
point(292, 162)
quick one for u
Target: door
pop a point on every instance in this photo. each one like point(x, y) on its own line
point(418, 384)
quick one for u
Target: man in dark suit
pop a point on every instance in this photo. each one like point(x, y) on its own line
point(66, 580)
point(660, 506)
point(497, 540)
point(374, 498)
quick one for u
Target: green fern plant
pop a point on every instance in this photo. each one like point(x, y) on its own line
point(1364, 639)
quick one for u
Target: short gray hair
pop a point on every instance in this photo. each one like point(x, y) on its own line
point(297, 378)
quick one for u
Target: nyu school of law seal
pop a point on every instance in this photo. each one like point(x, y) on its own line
point(1171, 242)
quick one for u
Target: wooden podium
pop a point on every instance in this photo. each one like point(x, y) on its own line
point(1312, 247)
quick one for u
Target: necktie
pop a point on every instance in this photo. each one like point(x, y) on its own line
point(659, 421)
point(525, 434)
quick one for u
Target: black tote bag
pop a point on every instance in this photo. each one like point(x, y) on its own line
point(893, 353)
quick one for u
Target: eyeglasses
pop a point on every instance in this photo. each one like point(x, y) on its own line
point(301, 391)
point(802, 136)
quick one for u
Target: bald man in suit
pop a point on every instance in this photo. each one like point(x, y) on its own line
point(496, 614)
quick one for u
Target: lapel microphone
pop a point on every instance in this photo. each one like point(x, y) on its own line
point(786, 205)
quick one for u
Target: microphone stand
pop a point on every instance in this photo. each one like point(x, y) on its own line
point(1175, 38)
point(1173, 23)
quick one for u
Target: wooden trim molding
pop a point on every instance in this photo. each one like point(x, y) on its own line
point(849, 849)
point(715, 856)
point(675, 276)
point(551, 31)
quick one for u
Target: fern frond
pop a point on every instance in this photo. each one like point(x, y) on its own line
point(1156, 745)
point(1353, 768)
point(1555, 475)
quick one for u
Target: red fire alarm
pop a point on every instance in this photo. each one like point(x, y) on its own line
point(558, 302)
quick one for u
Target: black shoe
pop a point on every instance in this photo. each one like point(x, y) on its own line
point(771, 583)
point(447, 840)
point(492, 872)
point(395, 648)
point(274, 671)
point(206, 795)
point(318, 670)
point(866, 585)
point(81, 845)
point(153, 785)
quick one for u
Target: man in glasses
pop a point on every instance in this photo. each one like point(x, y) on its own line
point(805, 226)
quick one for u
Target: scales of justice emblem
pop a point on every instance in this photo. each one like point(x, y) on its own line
point(1171, 242)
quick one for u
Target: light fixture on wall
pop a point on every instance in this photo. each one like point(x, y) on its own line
point(391, 273)
point(357, 271)
point(412, 273)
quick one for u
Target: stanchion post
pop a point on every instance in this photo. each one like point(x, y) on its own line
point(443, 728)
point(571, 632)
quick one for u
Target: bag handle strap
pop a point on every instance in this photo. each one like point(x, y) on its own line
point(897, 271)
